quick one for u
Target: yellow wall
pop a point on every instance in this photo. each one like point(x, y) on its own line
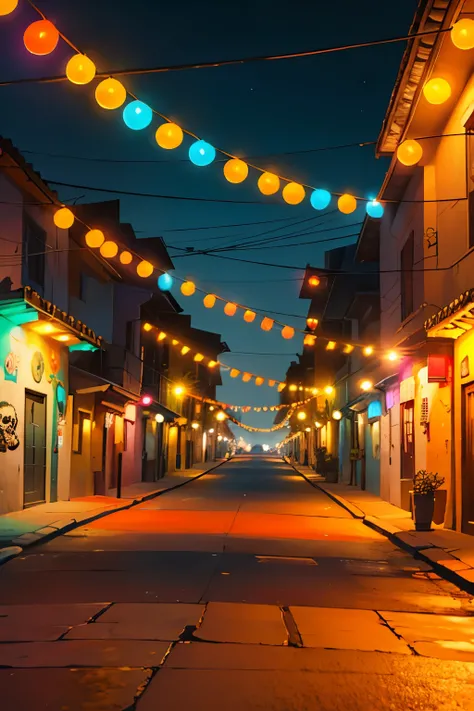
point(463, 347)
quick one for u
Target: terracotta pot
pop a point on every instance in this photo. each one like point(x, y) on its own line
point(423, 511)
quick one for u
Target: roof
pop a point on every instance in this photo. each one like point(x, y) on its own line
point(420, 53)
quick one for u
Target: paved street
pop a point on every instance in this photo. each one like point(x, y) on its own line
point(247, 588)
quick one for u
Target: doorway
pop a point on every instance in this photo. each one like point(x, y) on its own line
point(34, 449)
point(468, 461)
point(407, 410)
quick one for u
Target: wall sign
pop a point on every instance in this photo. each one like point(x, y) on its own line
point(465, 367)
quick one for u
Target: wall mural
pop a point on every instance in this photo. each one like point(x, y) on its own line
point(10, 365)
point(37, 366)
point(8, 424)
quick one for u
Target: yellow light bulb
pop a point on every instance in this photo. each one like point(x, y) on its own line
point(346, 204)
point(329, 390)
point(368, 351)
point(301, 415)
point(7, 6)
point(94, 238)
point(409, 152)
point(169, 136)
point(268, 183)
point(188, 288)
point(109, 249)
point(230, 309)
point(209, 301)
point(293, 193)
point(287, 332)
point(366, 385)
point(63, 218)
point(147, 327)
point(437, 90)
point(462, 34)
point(110, 94)
point(235, 170)
point(80, 69)
point(126, 257)
point(144, 269)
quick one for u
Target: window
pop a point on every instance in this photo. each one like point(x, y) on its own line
point(82, 428)
point(406, 265)
point(34, 246)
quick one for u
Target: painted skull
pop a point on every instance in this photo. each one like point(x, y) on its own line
point(8, 425)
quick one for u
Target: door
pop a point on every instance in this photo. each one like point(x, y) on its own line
point(35, 449)
point(468, 461)
point(407, 410)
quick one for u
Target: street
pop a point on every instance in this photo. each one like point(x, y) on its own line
point(247, 588)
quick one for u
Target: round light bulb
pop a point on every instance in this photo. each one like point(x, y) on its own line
point(94, 238)
point(63, 218)
point(169, 136)
point(80, 69)
point(437, 90)
point(268, 183)
point(110, 94)
point(409, 152)
point(346, 204)
point(462, 34)
point(293, 193)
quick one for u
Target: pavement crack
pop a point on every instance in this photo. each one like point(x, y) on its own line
point(386, 624)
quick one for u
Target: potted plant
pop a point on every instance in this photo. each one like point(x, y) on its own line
point(424, 486)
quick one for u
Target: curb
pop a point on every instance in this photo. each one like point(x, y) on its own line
point(350, 508)
point(392, 533)
point(30, 539)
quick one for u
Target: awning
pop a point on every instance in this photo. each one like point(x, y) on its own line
point(169, 415)
point(111, 396)
point(453, 320)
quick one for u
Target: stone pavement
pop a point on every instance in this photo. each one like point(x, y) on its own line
point(104, 656)
point(23, 528)
point(451, 553)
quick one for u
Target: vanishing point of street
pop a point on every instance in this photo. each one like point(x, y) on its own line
point(247, 588)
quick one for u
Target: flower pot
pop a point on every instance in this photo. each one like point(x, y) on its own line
point(423, 511)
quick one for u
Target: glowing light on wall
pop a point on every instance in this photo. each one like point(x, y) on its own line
point(63, 218)
point(110, 94)
point(346, 204)
point(230, 309)
point(169, 136)
point(188, 288)
point(368, 350)
point(80, 69)
point(293, 193)
point(374, 209)
point(144, 269)
point(374, 409)
point(126, 257)
point(268, 183)
point(409, 152)
point(165, 281)
point(462, 34)
point(201, 153)
point(94, 238)
point(41, 37)
point(235, 170)
point(212, 364)
point(437, 90)
point(109, 249)
point(314, 281)
point(179, 391)
point(137, 115)
point(209, 301)
point(320, 199)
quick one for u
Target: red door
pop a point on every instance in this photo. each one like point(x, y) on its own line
point(407, 440)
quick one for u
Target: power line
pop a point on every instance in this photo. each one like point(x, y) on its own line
point(224, 62)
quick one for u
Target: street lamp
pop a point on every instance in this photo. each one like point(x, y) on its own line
point(366, 385)
point(337, 415)
point(221, 416)
point(159, 418)
point(179, 390)
point(195, 425)
point(329, 390)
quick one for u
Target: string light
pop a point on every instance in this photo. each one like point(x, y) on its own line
point(201, 153)
point(144, 269)
point(247, 377)
point(230, 309)
point(41, 37)
point(195, 425)
point(161, 336)
point(249, 316)
point(293, 388)
point(267, 324)
point(259, 381)
point(165, 281)
point(374, 209)
point(185, 350)
point(312, 323)
point(234, 373)
point(462, 34)
point(63, 218)
point(392, 356)
point(147, 327)
point(8, 6)
point(348, 349)
point(235, 170)
point(409, 152)
point(169, 136)
point(198, 357)
point(329, 389)
point(188, 288)
point(212, 364)
point(330, 346)
point(318, 425)
point(268, 183)
point(366, 385)
point(368, 350)
point(437, 91)
point(346, 204)
point(110, 94)
point(209, 301)
point(137, 115)
point(94, 238)
point(309, 340)
point(80, 69)
point(109, 249)
point(126, 257)
point(293, 193)
point(301, 415)
point(287, 332)
point(320, 199)
point(221, 416)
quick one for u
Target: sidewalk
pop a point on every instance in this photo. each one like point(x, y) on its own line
point(449, 552)
point(39, 523)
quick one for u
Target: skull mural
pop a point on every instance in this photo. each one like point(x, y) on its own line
point(8, 425)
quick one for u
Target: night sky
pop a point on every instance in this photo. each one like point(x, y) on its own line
point(265, 109)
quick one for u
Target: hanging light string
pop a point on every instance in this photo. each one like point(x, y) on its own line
point(248, 408)
point(249, 428)
point(41, 38)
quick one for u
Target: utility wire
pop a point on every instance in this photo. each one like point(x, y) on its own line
point(223, 62)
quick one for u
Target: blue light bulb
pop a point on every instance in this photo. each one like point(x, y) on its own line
point(320, 199)
point(165, 281)
point(137, 115)
point(201, 153)
point(374, 209)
